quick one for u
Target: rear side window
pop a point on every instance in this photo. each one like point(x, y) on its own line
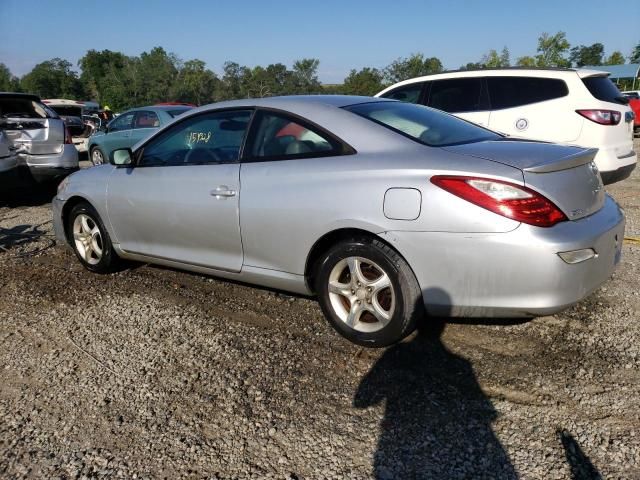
point(146, 119)
point(407, 93)
point(509, 92)
point(604, 89)
point(280, 136)
point(423, 124)
point(457, 95)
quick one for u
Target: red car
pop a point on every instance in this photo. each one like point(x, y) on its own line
point(634, 103)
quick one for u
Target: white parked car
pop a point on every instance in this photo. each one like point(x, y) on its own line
point(568, 106)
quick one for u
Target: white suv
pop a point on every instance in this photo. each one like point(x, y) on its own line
point(577, 107)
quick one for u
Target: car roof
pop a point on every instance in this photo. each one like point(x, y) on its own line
point(25, 96)
point(494, 72)
point(294, 102)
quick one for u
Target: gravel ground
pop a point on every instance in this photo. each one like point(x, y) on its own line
point(155, 373)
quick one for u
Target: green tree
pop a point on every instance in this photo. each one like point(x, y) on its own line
point(493, 59)
point(53, 79)
point(472, 66)
point(195, 84)
point(616, 58)
point(635, 55)
point(305, 76)
point(526, 61)
point(8, 82)
point(157, 72)
point(416, 65)
point(367, 81)
point(552, 50)
point(582, 55)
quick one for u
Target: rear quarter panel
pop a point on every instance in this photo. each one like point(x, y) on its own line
point(287, 205)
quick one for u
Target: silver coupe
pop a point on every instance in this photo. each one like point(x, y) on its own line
point(386, 211)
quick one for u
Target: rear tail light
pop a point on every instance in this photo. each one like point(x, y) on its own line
point(603, 117)
point(67, 136)
point(507, 199)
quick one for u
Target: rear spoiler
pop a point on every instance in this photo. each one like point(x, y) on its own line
point(570, 161)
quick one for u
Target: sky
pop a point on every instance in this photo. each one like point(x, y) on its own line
point(342, 34)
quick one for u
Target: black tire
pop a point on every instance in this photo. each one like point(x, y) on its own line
point(409, 306)
point(109, 260)
point(97, 149)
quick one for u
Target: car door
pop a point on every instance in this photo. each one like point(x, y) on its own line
point(463, 97)
point(534, 108)
point(286, 173)
point(181, 200)
point(118, 133)
point(145, 123)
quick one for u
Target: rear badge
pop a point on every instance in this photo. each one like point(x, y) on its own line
point(522, 124)
point(576, 213)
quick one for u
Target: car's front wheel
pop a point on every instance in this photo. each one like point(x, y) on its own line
point(368, 292)
point(97, 157)
point(90, 240)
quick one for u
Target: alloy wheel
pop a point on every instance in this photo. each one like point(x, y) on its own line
point(96, 157)
point(361, 294)
point(87, 239)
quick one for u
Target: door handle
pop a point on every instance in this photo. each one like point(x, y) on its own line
point(222, 192)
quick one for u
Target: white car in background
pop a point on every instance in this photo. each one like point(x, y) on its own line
point(71, 111)
point(568, 106)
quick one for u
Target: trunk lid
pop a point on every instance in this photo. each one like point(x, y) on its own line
point(565, 175)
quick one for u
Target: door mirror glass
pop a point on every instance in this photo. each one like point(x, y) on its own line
point(123, 157)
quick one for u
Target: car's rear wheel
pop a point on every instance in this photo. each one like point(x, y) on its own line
point(90, 240)
point(368, 292)
point(97, 157)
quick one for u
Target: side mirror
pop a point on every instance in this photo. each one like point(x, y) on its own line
point(123, 157)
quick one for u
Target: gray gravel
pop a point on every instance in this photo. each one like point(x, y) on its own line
point(154, 373)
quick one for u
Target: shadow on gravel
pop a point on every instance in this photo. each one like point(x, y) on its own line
point(437, 422)
point(20, 237)
point(581, 466)
point(26, 196)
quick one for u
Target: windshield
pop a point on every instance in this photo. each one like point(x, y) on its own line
point(177, 111)
point(425, 125)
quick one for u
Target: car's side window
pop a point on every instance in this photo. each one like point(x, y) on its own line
point(277, 135)
point(508, 92)
point(123, 122)
point(457, 95)
point(214, 137)
point(408, 93)
point(146, 119)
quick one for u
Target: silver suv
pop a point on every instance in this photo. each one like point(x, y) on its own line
point(38, 137)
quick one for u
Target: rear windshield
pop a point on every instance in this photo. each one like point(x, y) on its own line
point(177, 111)
point(23, 108)
point(425, 125)
point(67, 111)
point(604, 89)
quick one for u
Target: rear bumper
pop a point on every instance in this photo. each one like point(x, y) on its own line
point(610, 161)
point(617, 175)
point(513, 274)
point(44, 168)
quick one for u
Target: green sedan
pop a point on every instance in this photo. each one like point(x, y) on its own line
point(129, 128)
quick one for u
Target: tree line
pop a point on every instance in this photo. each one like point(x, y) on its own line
point(121, 81)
